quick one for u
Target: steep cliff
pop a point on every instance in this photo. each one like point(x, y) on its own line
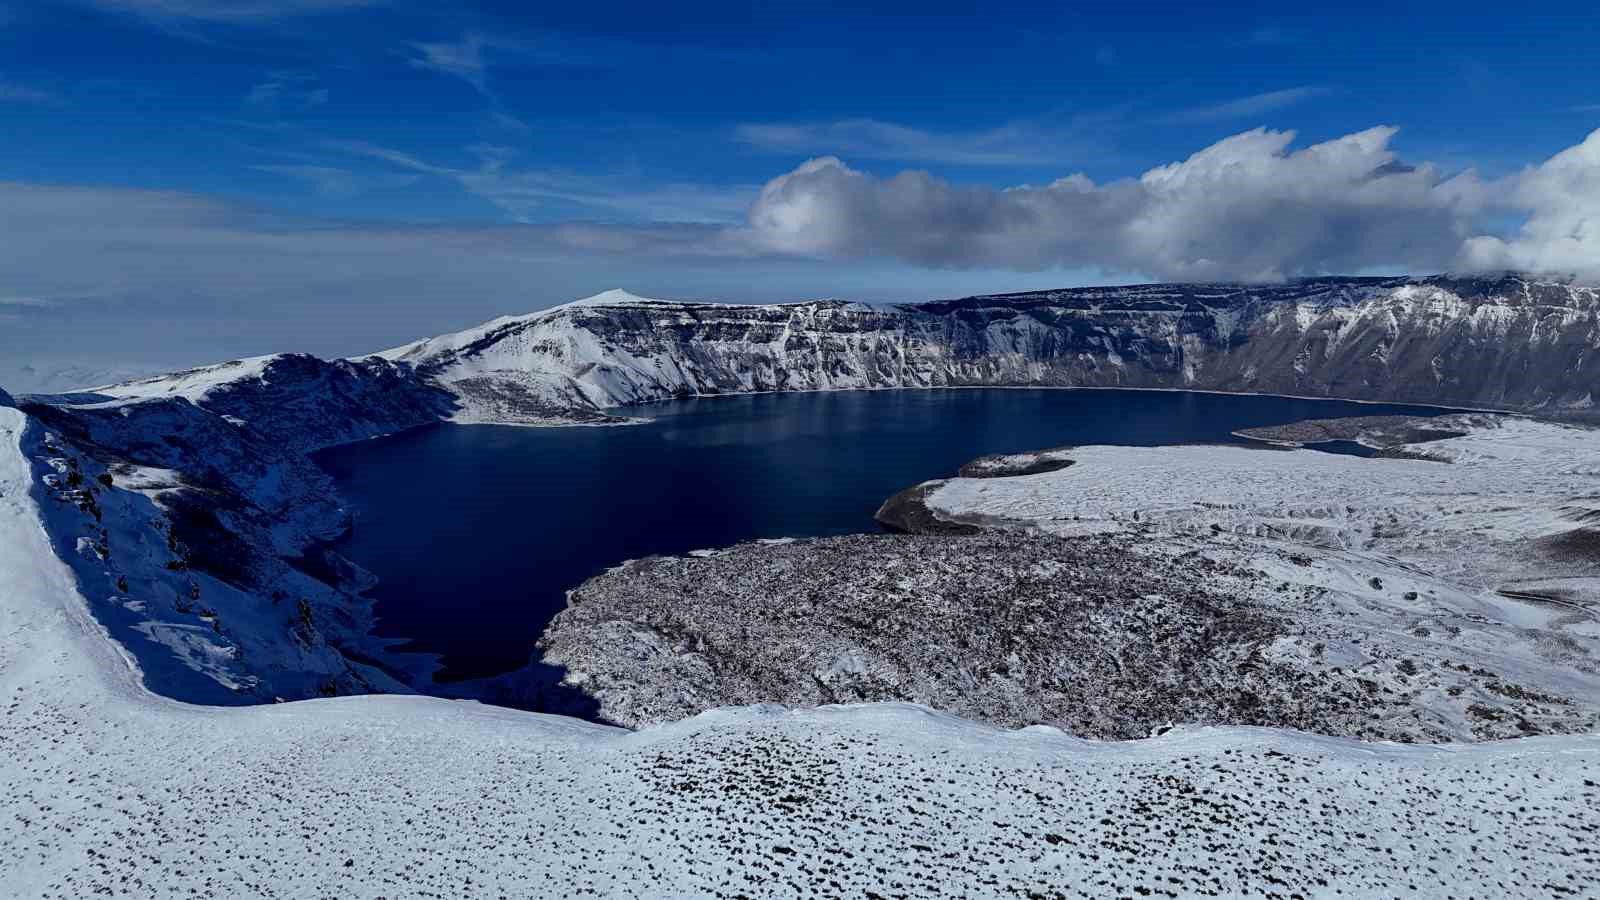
point(1508, 343)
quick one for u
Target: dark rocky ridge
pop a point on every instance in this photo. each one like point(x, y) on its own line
point(1382, 432)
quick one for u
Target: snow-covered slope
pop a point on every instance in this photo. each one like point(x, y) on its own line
point(303, 402)
point(106, 789)
point(1461, 573)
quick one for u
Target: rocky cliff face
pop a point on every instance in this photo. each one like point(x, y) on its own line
point(1507, 343)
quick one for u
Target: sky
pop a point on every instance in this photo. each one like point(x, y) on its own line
point(183, 181)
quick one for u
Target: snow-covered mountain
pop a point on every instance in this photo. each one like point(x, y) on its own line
point(1506, 343)
point(215, 524)
point(1510, 342)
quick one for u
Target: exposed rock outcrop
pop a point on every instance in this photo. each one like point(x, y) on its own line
point(1102, 636)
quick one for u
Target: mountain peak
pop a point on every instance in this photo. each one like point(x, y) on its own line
point(610, 298)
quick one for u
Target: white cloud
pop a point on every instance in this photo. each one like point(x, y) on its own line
point(1244, 208)
point(1562, 231)
point(1246, 107)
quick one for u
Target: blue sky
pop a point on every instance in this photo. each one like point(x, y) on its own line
point(534, 153)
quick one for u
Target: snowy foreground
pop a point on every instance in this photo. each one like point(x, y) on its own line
point(108, 789)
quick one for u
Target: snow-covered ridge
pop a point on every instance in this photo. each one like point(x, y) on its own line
point(1506, 343)
point(1510, 342)
point(106, 789)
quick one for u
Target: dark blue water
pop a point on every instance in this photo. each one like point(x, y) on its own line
point(477, 532)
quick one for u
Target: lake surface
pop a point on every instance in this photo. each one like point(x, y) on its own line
point(477, 532)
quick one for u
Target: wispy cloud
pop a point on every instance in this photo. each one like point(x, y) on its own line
point(1024, 142)
point(504, 120)
point(472, 56)
point(21, 93)
point(1246, 107)
point(461, 59)
point(386, 154)
point(1269, 36)
point(530, 195)
point(227, 11)
point(288, 88)
point(331, 181)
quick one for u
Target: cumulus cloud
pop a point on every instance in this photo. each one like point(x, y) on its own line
point(1247, 207)
point(1562, 229)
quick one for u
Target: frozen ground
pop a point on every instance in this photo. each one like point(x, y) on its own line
point(1479, 551)
point(106, 789)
